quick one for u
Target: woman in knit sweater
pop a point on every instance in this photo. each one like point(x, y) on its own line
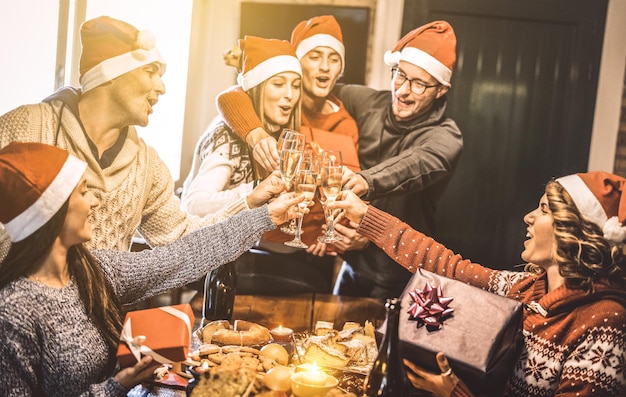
point(573, 287)
point(60, 304)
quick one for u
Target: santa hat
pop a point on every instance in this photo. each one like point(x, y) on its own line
point(111, 48)
point(35, 180)
point(432, 47)
point(263, 58)
point(322, 31)
point(599, 198)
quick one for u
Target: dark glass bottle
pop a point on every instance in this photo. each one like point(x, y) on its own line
point(220, 287)
point(388, 376)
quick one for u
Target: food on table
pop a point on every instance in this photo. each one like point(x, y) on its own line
point(277, 352)
point(223, 382)
point(243, 333)
point(336, 349)
point(278, 378)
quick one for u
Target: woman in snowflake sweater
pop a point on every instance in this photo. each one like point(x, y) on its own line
point(60, 304)
point(573, 287)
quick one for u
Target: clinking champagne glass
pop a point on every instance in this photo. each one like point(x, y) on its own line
point(291, 146)
point(331, 171)
point(305, 183)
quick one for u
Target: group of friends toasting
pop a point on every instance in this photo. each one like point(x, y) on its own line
point(76, 183)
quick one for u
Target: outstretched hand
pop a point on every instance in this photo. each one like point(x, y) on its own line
point(353, 207)
point(267, 190)
point(440, 385)
point(284, 209)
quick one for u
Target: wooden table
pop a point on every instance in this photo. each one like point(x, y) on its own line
point(298, 312)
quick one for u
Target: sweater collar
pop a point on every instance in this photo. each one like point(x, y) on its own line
point(433, 117)
point(565, 299)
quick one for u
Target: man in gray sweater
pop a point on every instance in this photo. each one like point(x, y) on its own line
point(408, 150)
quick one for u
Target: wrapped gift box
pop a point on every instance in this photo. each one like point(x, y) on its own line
point(479, 332)
point(163, 333)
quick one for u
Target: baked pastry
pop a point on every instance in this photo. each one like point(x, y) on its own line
point(244, 333)
point(222, 382)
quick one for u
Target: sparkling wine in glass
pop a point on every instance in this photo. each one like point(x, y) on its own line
point(305, 184)
point(330, 175)
point(291, 145)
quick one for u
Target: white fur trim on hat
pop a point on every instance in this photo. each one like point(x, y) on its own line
point(42, 210)
point(322, 40)
point(422, 59)
point(114, 67)
point(592, 210)
point(267, 69)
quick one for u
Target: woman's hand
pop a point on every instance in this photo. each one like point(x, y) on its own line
point(353, 207)
point(268, 189)
point(142, 371)
point(440, 385)
point(265, 152)
point(284, 209)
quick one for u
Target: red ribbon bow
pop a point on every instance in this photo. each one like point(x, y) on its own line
point(429, 307)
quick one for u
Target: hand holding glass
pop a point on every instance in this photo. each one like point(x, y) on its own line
point(291, 146)
point(305, 183)
point(331, 171)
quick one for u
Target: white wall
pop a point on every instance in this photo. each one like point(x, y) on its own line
point(610, 90)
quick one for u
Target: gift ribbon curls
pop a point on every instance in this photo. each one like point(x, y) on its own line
point(135, 343)
point(429, 307)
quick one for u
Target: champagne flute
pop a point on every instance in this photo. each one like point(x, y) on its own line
point(331, 171)
point(291, 146)
point(305, 183)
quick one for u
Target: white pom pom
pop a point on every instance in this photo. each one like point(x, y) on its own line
point(614, 231)
point(146, 40)
point(392, 58)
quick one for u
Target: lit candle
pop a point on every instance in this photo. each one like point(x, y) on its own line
point(314, 378)
point(281, 334)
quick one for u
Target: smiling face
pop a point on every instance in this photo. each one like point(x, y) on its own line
point(76, 228)
point(540, 246)
point(280, 97)
point(406, 104)
point(135, 93)
point(321, 68)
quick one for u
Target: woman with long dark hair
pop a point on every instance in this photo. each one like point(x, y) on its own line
point(61, 305)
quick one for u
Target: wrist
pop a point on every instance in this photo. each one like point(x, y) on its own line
point(256, 135)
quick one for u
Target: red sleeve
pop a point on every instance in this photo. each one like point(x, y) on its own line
point(235, 107)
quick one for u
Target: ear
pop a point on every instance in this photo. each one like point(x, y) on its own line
point(441, 91)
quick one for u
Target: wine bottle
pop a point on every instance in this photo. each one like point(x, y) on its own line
point(388, 376)
point(220, 287)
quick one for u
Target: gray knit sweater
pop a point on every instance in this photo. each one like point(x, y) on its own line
point(50, 346)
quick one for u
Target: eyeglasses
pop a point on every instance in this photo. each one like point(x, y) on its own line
point(417, 87)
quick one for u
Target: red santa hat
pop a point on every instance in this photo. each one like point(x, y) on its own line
point(432, 47)
point(599, 198)
point(111, 48)
point(264, 58)
point(322, 31)
point(35, 181)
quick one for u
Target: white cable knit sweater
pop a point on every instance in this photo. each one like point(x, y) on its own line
point(136, 191)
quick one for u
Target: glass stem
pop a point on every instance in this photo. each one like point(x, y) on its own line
point(330, 227)
point(299, 229)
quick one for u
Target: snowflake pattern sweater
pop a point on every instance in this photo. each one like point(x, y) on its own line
point(574, 343)
point(49, 345)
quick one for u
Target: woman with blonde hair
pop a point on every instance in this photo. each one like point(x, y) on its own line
point(573, 287)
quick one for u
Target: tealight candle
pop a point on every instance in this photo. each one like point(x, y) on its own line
point(284, 337)
point(315, 377)
point(281, 334)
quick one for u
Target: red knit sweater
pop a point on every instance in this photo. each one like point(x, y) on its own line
point(574, 343)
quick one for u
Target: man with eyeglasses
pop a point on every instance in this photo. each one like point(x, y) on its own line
point(408, 150)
